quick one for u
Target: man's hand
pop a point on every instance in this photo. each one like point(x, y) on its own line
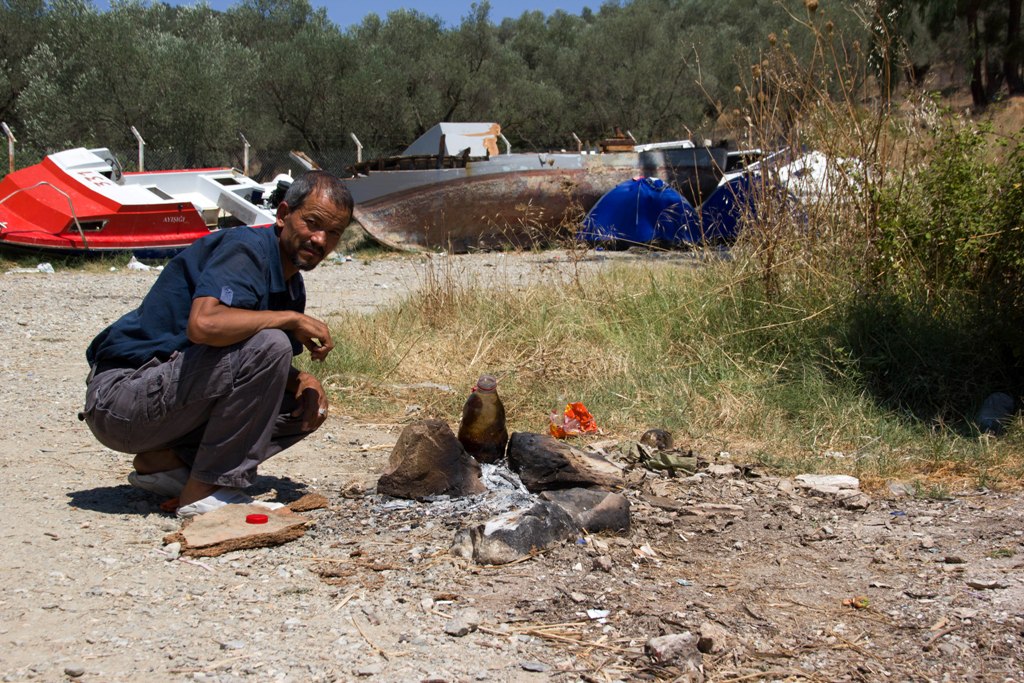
point(311, 399)
point(315, 336)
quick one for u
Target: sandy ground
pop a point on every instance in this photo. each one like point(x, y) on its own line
point(89, 592)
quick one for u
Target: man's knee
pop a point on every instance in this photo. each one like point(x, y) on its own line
point(272, 345)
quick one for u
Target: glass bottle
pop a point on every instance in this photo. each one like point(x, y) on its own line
point(482, 431)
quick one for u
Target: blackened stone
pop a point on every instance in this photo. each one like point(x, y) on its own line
point(592, 509)
point(515, 534)
point(545, 463)
point(429, 461)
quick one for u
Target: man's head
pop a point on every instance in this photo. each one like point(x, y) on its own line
point(314, 213)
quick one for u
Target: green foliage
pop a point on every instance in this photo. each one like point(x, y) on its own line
point(949, 300)
point(191, 78)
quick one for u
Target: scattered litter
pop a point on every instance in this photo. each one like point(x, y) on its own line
point(135, 264)
point(645, 551)
point(859, 602)
point(598, 613)
point(684, 582)
point(574, 421)
point(41, 268)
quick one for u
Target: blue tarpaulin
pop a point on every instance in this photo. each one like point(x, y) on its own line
point(723, 211)
point(638, 211)
point(645, 210)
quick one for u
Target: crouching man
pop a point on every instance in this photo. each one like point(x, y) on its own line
point(198, 380)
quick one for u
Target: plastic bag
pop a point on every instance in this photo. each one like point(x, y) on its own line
point(574, 421)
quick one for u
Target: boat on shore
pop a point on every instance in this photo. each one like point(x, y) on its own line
point(79, 202)
point(452, 189)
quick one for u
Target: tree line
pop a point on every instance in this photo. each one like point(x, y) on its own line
point(283, 75)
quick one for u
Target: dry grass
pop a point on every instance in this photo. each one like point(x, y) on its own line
point(668, 345)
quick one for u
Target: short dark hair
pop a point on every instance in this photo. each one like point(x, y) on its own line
point(318, 181)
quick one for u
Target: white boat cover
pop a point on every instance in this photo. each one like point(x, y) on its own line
point(480, 138)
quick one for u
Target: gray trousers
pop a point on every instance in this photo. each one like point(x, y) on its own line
point(223, 411)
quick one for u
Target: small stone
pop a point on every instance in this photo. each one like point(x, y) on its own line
point(603, 563)
point(463, 623)
point(172, 551)
point(536, 667)
point(723, 470)
point(232, 645)
point(673, 648)
point(927, 543)
point(839, 481)
point(74, 671)
point(852, 499)
point(370, 670)
point(714, 639)
point(899, 489)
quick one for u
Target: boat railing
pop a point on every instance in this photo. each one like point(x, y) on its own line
point(71, 205)
point(420, 162)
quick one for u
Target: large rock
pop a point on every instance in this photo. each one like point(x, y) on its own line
point(545, 463)
point(593, 510)
point(515, 535)
point(429, 461)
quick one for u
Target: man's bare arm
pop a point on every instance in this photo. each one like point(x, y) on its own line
point(213, 324)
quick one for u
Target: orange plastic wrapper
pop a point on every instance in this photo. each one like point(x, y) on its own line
point(575, 421)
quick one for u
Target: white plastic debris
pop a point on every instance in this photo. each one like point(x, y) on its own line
point(136, 264)
point(41, 268)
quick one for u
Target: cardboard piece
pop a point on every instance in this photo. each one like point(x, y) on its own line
point(225, 530)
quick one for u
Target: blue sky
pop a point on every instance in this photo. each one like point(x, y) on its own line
point(451, 11)
point(348, 12)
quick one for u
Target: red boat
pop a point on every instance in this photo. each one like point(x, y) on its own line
point(80, 202)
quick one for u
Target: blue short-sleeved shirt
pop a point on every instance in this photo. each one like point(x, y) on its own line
point(241, 267)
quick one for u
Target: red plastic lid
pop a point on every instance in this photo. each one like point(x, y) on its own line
point(256, 519)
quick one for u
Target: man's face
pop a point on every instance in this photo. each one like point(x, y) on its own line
point(311, 232)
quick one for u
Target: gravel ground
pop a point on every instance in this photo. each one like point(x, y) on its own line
point(371, 592)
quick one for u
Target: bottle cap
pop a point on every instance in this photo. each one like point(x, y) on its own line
point(487, 383)
point(256, 519)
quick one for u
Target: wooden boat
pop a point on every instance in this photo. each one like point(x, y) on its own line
point(80, 202)
point(453, 190)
